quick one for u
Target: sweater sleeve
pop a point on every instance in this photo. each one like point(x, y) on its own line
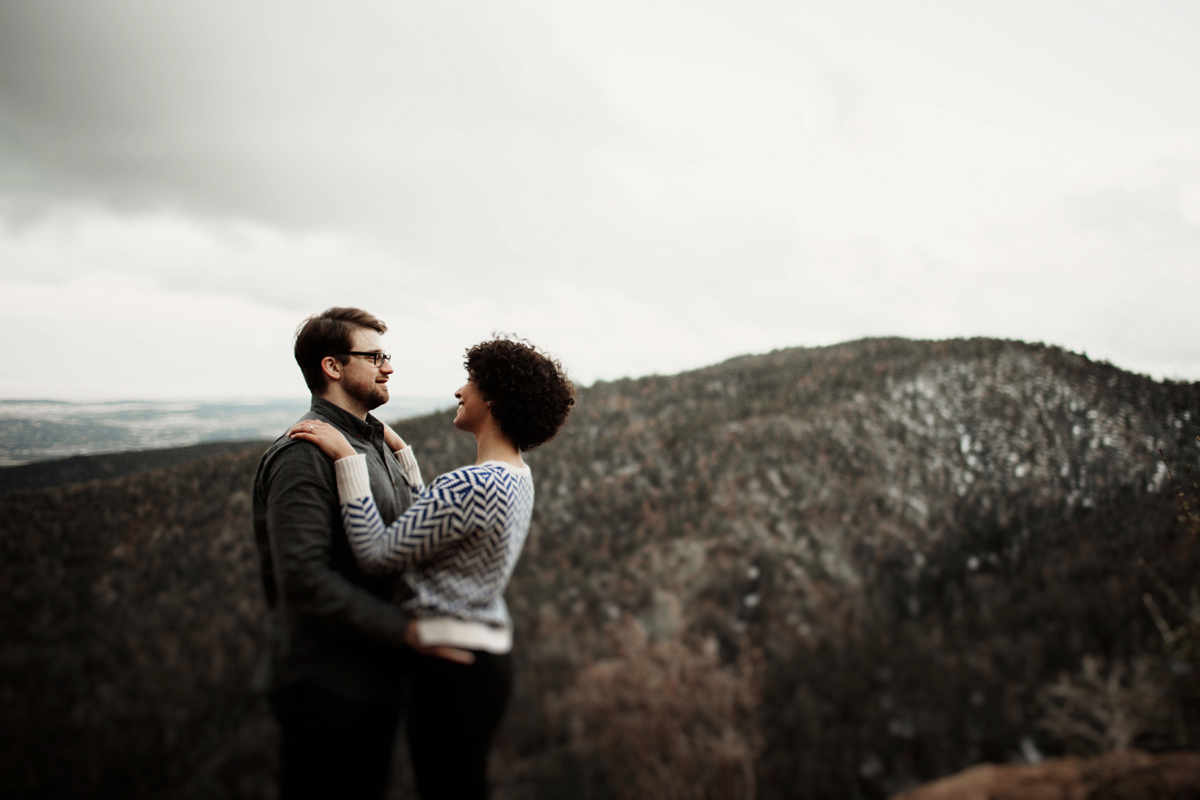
point(411, 470)
point(439, 517)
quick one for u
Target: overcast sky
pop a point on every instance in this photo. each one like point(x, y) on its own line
point(636, 186)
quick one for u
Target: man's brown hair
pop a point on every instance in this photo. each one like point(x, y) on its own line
point(329, 334)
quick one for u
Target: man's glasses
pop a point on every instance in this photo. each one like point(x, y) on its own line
point(376, 358)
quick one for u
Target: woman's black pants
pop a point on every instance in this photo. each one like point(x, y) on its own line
point(331, 746)
point(454, 709)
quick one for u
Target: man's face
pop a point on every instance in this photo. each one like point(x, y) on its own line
point(364, 382)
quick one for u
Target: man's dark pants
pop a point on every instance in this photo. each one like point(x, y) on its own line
point(333, 747)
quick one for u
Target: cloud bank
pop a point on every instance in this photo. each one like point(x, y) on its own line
point(640, 187)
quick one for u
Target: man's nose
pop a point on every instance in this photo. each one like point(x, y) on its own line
point(386, 367)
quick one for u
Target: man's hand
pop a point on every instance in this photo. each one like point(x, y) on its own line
point(392, 439)
point(413, 640)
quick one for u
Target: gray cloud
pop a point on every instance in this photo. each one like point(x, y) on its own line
point(719, 178)
point(418, 123)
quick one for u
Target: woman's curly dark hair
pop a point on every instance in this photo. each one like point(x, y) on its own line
point(529, 391)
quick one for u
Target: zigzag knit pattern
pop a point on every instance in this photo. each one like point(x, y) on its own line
point(456, 546)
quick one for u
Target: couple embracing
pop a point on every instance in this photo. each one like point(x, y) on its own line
point(376, 583)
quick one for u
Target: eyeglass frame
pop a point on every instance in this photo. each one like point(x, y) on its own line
point(377, 358)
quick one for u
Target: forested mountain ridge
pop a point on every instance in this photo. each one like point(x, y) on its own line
point(913, 538)
point(811, 499)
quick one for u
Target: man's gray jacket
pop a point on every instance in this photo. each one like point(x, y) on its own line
point(329, 622)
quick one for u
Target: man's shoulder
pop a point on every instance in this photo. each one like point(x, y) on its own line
point(278, 448)
point(285, 443)
point(289, 454)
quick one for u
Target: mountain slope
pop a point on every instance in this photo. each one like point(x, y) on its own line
point(812, 502)
point(917, 536)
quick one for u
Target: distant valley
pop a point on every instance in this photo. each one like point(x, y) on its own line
point(41, 430)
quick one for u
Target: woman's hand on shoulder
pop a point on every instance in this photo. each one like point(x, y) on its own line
point(392, 439)
point(323, 435)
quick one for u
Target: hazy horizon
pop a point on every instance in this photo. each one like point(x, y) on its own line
point(301, 396)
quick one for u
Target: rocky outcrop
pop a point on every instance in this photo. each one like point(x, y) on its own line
point(1128, 774)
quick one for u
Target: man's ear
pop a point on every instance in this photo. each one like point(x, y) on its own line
point(332, 368)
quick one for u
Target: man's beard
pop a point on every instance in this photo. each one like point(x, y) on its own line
point(369, 395)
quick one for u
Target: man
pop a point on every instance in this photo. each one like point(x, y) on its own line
point(335, 665)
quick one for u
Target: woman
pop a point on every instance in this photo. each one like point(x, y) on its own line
point(456, 547)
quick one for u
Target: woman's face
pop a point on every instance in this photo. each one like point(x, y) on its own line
point(473, 410)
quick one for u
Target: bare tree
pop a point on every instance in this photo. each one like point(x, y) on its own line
point(667, 720)
point(1101, 709)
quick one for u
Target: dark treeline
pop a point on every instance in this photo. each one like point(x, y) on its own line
point(81, 469)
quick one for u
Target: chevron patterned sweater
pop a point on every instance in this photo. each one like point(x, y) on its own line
point(457, 544)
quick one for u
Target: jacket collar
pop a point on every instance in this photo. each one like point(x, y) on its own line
point(345, 420)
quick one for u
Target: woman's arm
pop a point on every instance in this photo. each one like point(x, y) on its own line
point(334, 445)
point(435, 518)
point(439, 517)
point(392, 439)
point(412, 472)
point(408, 461)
